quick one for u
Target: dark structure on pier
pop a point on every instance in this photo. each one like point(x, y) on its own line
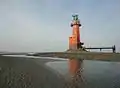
point(100, 48)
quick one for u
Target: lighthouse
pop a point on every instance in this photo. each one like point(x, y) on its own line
point(74, 40)
point(75, 45)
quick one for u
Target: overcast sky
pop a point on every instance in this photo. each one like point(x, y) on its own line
point(44, 25)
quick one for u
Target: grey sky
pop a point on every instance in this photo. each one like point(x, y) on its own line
point(44, 25)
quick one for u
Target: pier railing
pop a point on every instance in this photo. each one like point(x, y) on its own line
point(100, 48)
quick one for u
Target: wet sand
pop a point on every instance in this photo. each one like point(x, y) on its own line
point(18, 72)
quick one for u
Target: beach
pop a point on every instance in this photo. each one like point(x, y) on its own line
point(19, 72)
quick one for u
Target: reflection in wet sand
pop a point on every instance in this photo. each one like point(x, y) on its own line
point(76, 79)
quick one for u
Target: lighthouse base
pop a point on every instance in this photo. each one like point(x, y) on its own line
point(77, 50)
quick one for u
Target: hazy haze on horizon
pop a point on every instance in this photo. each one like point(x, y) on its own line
point(44, 25)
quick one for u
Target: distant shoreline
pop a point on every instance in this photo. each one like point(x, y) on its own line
point(100, 56)
point(83, 56)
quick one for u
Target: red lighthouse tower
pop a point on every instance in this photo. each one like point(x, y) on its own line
point(74, 40)
point(75, 45)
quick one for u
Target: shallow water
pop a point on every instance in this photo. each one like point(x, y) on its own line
point(25, 56)
point(97, 74)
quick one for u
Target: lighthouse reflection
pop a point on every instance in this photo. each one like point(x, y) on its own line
point(75, 71)
point(75, 66)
